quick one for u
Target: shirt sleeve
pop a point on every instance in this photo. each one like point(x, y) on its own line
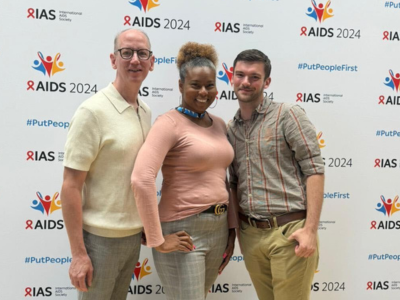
point(302, 139)
point(233, 179)
point(161, 138)
point(83, 140)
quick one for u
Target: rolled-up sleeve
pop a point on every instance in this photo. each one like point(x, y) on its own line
point(302, 138)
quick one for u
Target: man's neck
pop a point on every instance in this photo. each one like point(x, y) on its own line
point(247, 108)
point(128, 92)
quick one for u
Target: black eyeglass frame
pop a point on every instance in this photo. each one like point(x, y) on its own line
point(133, 53)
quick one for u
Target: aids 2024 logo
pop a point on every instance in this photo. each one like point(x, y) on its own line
point(320, 13)
point(47, 205)
point(147, 22)
point(388, 208)
point(50, 66)
point(393, 82)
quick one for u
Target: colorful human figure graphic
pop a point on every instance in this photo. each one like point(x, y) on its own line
point(47, 205)
point(388, 207)
point(395, 80)
point(320, 12)
point(141, 270)
point(225, 75)
point(48, 65)
point(144, 5)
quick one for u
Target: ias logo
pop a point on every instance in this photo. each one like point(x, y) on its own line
point(47, 205)
point(388, 207)
point(48, 65)
point(320, 12)
point(141, 270)
point(226, 74)
point(144, 5)
point(393, 81)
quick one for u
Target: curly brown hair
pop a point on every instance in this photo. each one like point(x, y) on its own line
point(192, 50)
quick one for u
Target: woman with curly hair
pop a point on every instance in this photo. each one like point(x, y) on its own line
point(192, 230)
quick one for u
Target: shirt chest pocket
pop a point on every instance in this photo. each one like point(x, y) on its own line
point(265, 146)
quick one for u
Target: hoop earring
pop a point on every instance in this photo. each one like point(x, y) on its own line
point(180, 100)
point(216, 102)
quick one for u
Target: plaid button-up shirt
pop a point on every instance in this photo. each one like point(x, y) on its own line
point(273, 157)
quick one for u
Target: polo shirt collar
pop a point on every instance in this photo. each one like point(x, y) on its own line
point(117, 100)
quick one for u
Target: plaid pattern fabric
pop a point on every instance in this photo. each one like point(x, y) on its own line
point(113, 260)
point(273, 157)
point(191, 275)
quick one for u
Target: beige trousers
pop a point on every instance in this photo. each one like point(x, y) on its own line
point(276, 272)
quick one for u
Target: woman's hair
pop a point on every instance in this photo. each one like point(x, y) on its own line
point(193, 55)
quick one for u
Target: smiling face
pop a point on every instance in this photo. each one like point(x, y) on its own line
point(132, 70)
point(199, 89)
point(249, 82)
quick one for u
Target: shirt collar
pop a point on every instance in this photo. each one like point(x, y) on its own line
point(261, 109)
point(117, 100)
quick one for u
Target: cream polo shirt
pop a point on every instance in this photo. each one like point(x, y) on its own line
point(104, 139)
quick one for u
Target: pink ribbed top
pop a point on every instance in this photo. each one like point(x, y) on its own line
point(194, 160)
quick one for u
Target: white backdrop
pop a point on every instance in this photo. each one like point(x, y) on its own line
point(336, 64)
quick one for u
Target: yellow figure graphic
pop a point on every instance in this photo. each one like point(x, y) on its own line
point(328, 12)
point(144, 270)
point(57, 66)
point(152, 4)
point(55, 203)
point(321, 142)
point(395, 205)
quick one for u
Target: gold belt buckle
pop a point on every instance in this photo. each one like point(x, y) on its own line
point(219, 210)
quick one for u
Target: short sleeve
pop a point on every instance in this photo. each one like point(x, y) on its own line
point(83, 141)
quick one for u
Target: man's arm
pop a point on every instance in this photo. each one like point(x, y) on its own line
point(307, 236)
point(81, 269)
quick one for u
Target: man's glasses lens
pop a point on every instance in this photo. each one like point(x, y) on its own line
point(142, 54)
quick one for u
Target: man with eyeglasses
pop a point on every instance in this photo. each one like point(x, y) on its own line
point(99, 208)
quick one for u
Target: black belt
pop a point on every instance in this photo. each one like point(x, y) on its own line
point(218, 209)
point(269, 223)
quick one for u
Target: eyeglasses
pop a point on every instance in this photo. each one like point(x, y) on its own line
point(142, 54)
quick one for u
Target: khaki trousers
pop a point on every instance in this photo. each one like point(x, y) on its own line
point(276, 272)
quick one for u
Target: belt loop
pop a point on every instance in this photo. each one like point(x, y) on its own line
point(275, 222)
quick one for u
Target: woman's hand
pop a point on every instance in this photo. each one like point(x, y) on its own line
point(179, 241)
point(229, 249)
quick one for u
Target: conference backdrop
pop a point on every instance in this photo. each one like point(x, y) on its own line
point(337, 59)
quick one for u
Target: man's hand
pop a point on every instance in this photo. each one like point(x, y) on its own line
point(307, 242)
point(229, 250)
point(81, 272)
point(179, 241)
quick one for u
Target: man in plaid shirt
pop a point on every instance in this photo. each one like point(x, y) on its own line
point(277, 180)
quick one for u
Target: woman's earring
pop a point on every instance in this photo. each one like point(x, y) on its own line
point(216, 102)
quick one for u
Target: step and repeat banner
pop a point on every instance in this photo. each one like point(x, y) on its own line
point(337, 59)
